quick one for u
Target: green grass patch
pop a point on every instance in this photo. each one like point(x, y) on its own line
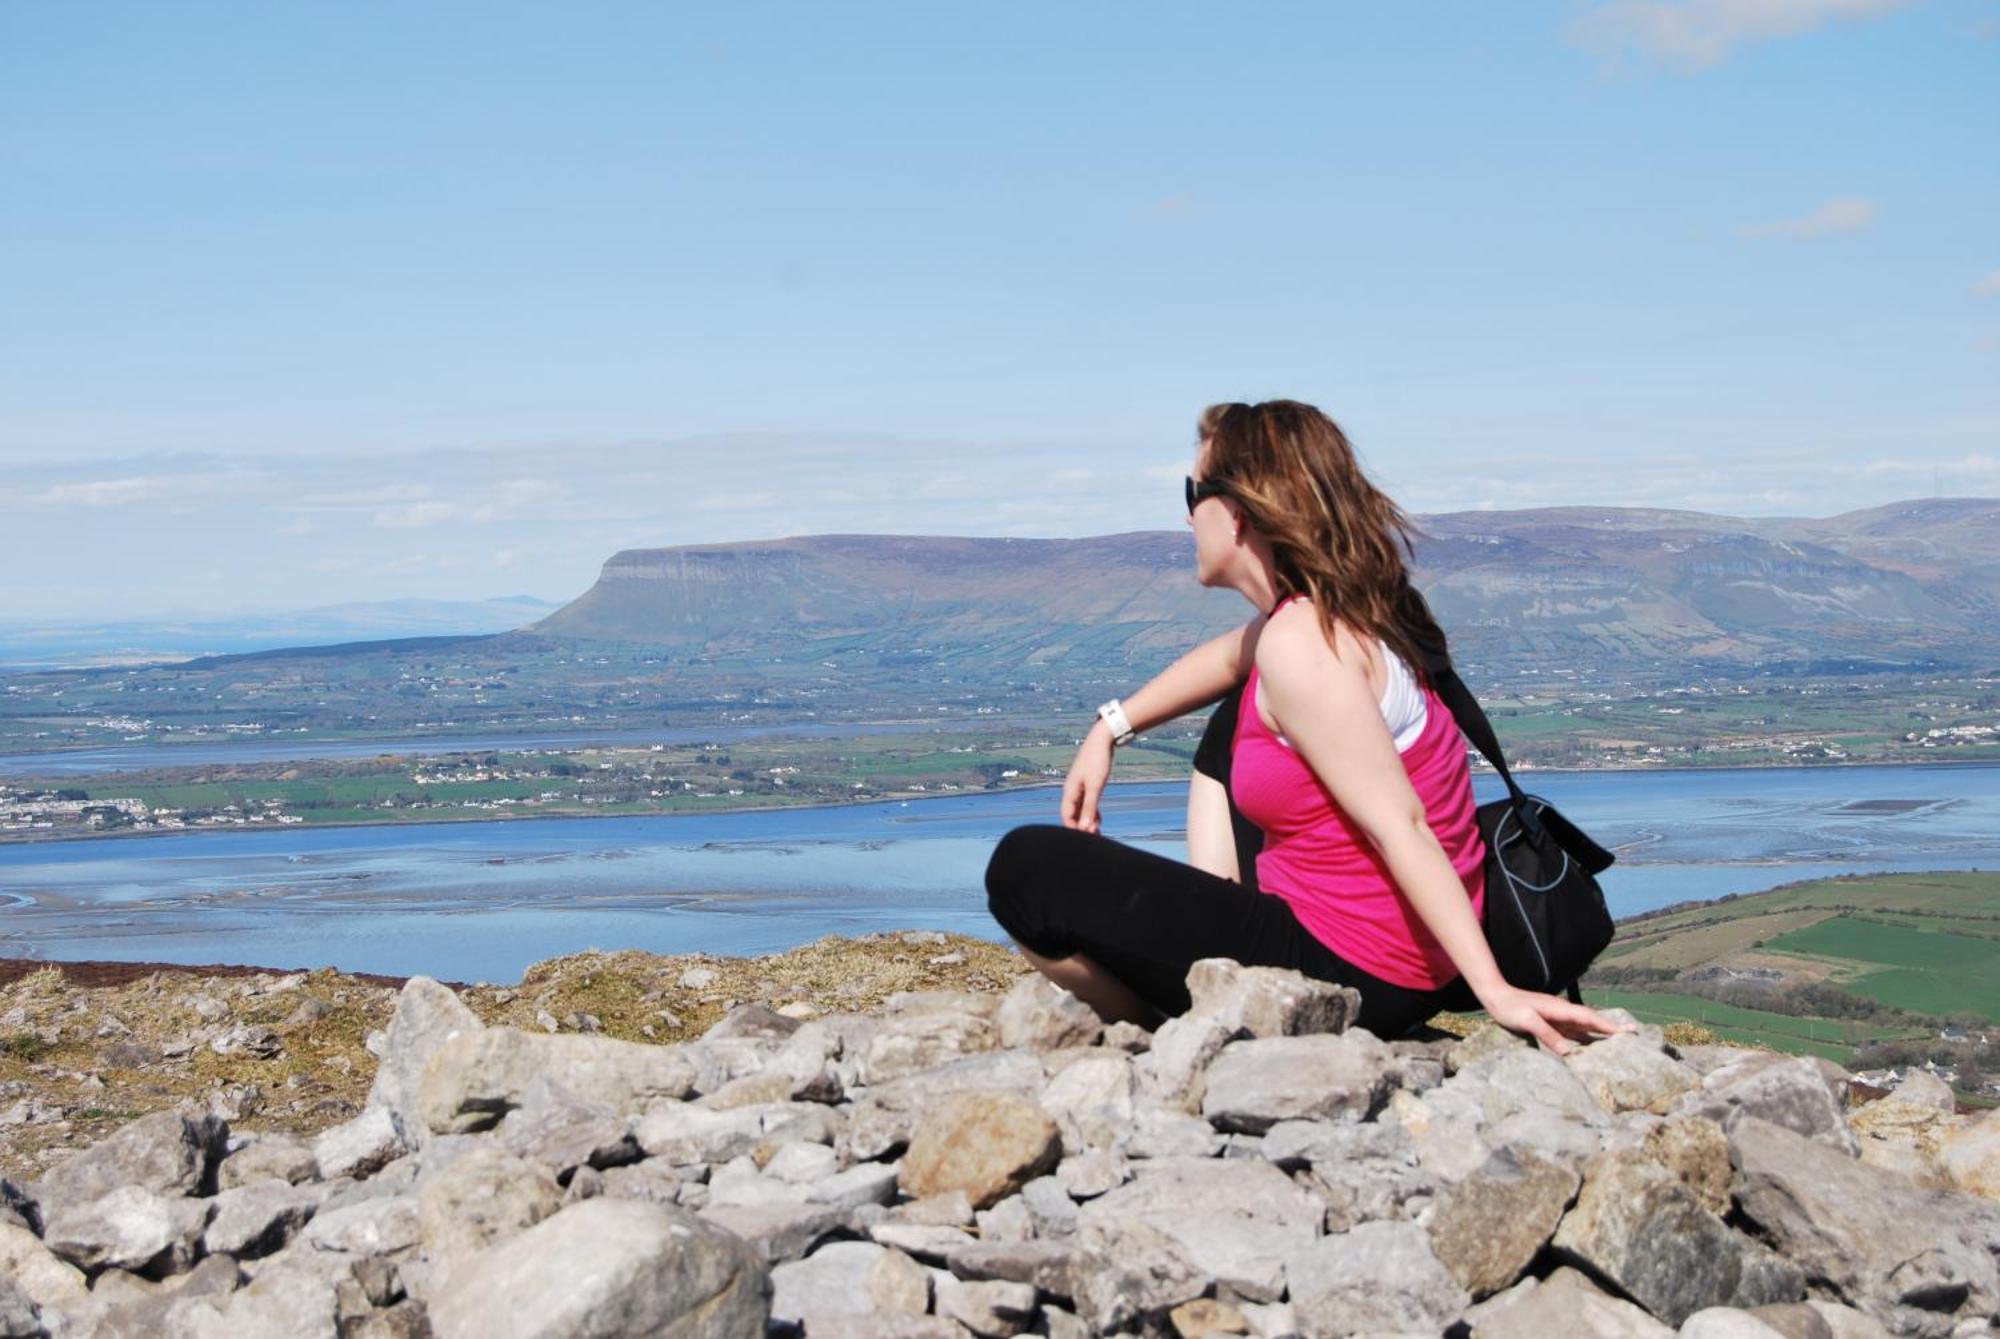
point(1890, 945)
point(23, 1046)
point(1834, 1039)
point(1932, 990)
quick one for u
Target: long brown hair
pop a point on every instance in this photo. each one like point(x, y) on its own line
point(1335, 537)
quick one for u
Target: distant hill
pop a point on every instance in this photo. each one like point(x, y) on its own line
point(151, 641)
point(1634, 590)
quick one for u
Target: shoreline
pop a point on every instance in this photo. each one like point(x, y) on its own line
point(83, 972)
point(906, 797)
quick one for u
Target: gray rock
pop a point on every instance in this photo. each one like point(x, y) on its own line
point(1056, 1323)
point(951, 1209)
point(926, 1241)
point(49, 1282)
point(1566, 1304)
point(683, 1133)
point(1250, 1218)
point(863, 1183)
point(1009, 1220)
point(1092, 1101)
point(427, 1016)
point(1523, 1080)
point(1132, 1273)
point(652, 1181)
point(1252, 1085)
point(1088, 1175)
point(627, 1267)
point(475, 1078)
point(360, 1147)
point(883, 1326)
point(1050, 1209)
point(1172, 1072)
point(1168, 1132)
point(263, 1157)
point(1127, 1037)
point(911, 1044)
point(777, 1232)
point(382, 1226)
point(724, 1062)
point(18, 1206)
point(558, 1130)
point(1269, 1001)
point(1917, 1260)
point(1445, 1133)
point(296, 1303)
point(1483, 1043)
point(987, 1145)
point(253, 1040)
point(1361, 1173)
point(1723, 1322)
point(1792, 1320)
point(758, 1022)
point(166, 1153)
point(20, 1317)
point(130, 1228)
point(1048, 1265)
point(1628, 1072)
point(774, 1086)
point(992, 1309)
point(899, 1285)
point(143, 1308)
point(833, 1281)
point(1375, 1277)
point(478, 1199)
point(1487, 1228)
point(740, 1182)
point(1844, 1322)
point(256, 1219)
point(1040, 1015)
point(803, 1164)
point(1790, 1092)
point(1638, 1226)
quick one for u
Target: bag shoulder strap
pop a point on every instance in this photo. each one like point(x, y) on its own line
point(1465, 708)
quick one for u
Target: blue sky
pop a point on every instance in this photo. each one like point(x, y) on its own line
point(306, 303)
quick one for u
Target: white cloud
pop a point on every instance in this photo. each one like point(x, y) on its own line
point(1845, 214)
point(1692, 35)
point(1989, 287)
point(105, 492)
point(416, 515)
point(1974, 466)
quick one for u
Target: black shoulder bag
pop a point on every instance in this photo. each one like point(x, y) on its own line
point(1545, 915)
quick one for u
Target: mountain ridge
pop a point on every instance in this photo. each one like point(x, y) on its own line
point(1910, 582)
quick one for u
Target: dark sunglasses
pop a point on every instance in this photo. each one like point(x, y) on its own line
point(1206, 488)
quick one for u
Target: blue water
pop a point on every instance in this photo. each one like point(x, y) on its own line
point(480, 901)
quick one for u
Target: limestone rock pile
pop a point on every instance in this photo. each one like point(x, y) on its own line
point(963, 1164)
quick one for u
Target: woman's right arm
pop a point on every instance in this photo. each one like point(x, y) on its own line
point(1198, 678)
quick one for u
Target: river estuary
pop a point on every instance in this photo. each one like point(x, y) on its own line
point(480, 901)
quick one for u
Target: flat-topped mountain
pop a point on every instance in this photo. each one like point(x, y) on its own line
point(1911, 583)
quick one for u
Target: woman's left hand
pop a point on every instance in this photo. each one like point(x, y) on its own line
point(1549, 1019)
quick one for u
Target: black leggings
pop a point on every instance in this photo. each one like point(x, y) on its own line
point(1147, 919)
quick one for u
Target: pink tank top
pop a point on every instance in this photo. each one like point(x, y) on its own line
point(1326, 868)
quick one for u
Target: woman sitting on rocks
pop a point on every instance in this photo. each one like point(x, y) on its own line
point(1371, 868)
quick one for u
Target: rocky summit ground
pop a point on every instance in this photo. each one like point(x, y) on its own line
point(905, 1136)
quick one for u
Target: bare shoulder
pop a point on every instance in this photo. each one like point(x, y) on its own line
point(1294, 648)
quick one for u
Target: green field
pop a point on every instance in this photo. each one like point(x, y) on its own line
point(1942, 992)
point(1892, 945)
point(1833, 1038)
